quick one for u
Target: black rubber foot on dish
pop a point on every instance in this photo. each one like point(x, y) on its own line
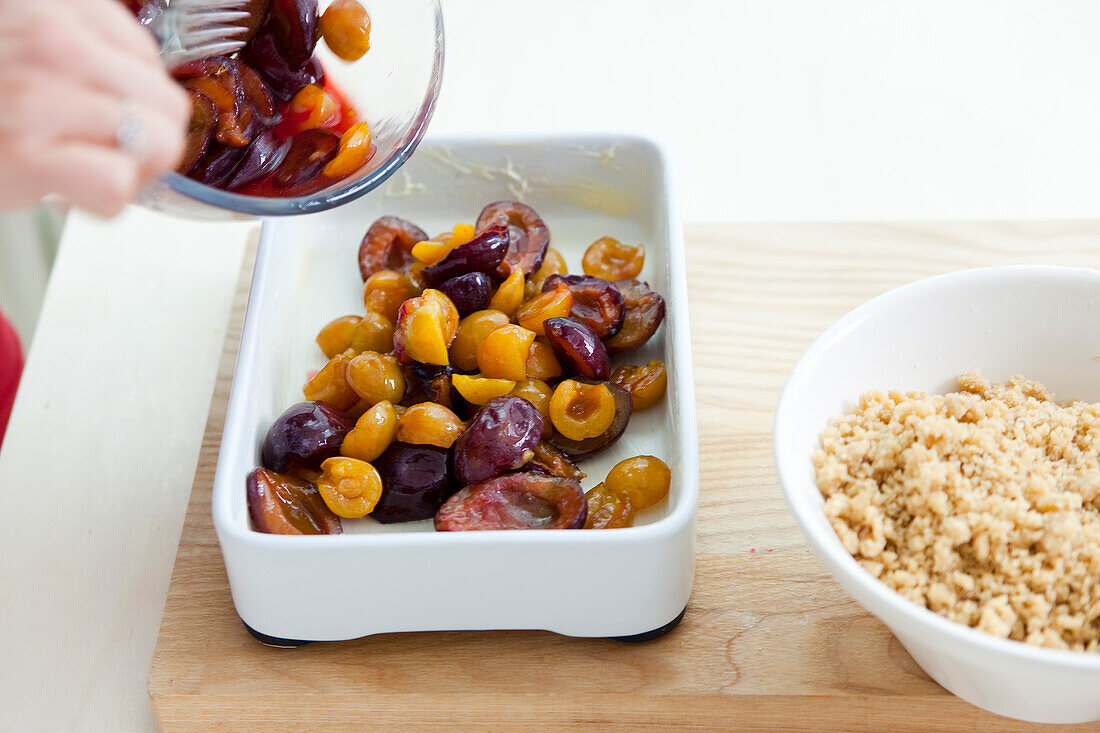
point(656, 633)
point(274, 640)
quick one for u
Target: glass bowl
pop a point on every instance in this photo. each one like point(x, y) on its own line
point(393, 87)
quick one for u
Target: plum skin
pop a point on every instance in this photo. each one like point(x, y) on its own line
point(500, 437)
point(525, 500)
point(416, 481)
point(303, 436)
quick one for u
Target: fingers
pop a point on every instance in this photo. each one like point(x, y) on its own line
point(70, 51)
point(62, 111)
point(96, 178)
point(66, 67)
point(115, 24)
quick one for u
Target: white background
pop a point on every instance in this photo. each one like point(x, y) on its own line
point(774, 110)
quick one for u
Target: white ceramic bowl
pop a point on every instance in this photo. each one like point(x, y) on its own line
point(378, 578)
point(1042, 322)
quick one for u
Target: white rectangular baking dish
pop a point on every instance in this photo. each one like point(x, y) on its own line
point(378, 578)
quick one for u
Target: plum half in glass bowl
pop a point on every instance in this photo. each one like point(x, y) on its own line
point(392, 88)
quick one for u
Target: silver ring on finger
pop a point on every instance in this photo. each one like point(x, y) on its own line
point(129, 134)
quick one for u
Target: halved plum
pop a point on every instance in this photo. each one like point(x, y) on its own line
point(580, 449)
point(469, 292)
point(528, 236)
point(295, 28)
point(597, 303)
point(555, 462)
point(219, 164)
point(217, 78)
point(309, 153)
point(264, 155)
point(416, 480)
point(517, 501)
point(256, 93)
point(281, 504)
point(284, 78)
point(200, 131)
point(388, 245)
point(645, 310)
point(483, 253)
point(500, 437)
point(578, 348)
point(304, 436)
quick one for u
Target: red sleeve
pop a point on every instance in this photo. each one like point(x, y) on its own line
point(11, 366)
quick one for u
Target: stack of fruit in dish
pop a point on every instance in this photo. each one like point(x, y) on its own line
point(266, 121)
point(476, 380)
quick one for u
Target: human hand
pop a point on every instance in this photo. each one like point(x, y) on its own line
point(73, 75)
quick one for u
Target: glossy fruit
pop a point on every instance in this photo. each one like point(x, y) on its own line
point(499, 438)
point(596, 303)
point(256, 94)
point(388, 245)
point(472, 330)
point(374, 332)
point(429, 423)
point(577, 347)
point(426, 326)
point(610, 259)
point(483, 253)
point(373, 432)
point(541, 362)
point(303, 436)
point(646, 384)
point(509, 294)
point(354, 152)
point(345, 26)
point(537, 392)
point(200, 131)
point(313, 107)
point(608, 510)
point(528, 237)
point(645, 310)
point(294, 27)
point(283, 78)
point(385, 291)
point(335, 336)
point(218, 164)
point(478, 390)
point(552, 264)
point(581, 449)
point(350, 487)
point(554, 303)
point(357, 411)
point(555, 462)
point(416, 480)
point(644, 480)
point(581, 411)
point(516, 501)
point(331, 383)
point(217, 79)
point(503, 353)
point(309, 153)
point(428, 383)
point(435, 249)
point(376, 377)
point(469, 292)
point(282, 504)
point(264, 155)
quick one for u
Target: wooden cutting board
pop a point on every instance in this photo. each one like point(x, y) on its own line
point(769, 641)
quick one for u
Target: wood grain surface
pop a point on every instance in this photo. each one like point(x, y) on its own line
point(769, 641)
